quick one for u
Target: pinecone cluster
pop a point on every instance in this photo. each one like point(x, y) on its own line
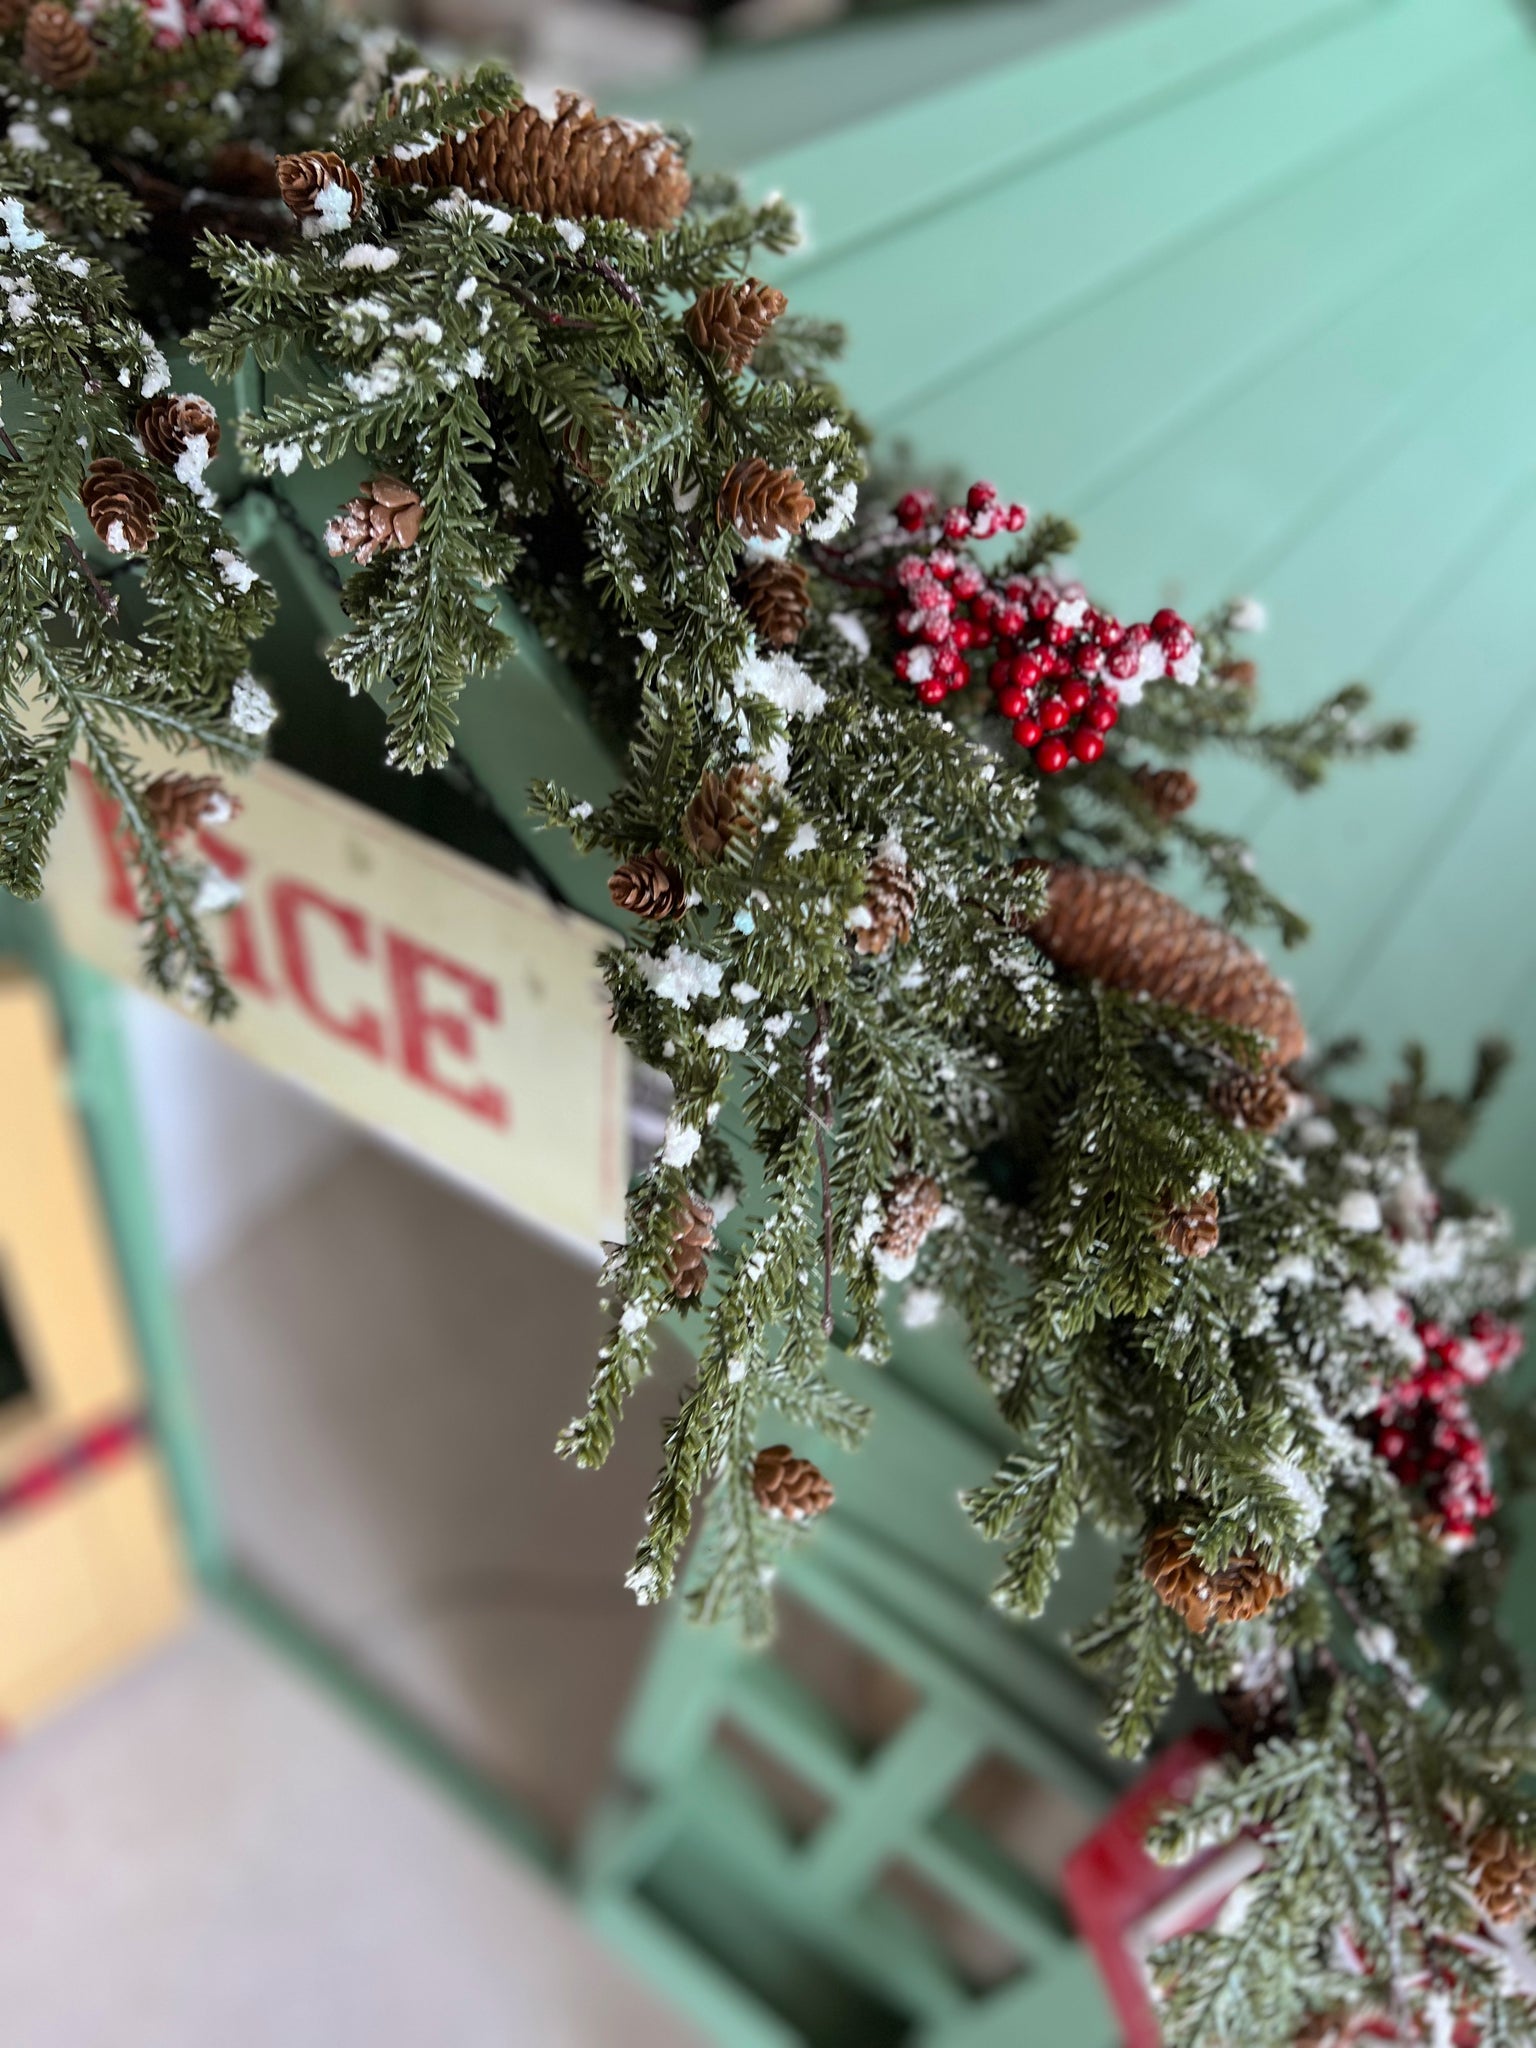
point(122, 505)
point(571, 165)
point(648, 885)
point(1169, 791)
point(776, 597)
point(762, 502)
point(722, 810)
point(890, 903)
point(167, 424)
point(729, 320)
point(911, 1208)
point(317, 187)
point(693, 1239)
point(1254, 1102)
point(1241, 1590)
point(1502, 1873)
point(1117, 929)
point(384, 517)
point(56, 48)
point(1192, 1229)
point(177, 803)
point(789, 1487)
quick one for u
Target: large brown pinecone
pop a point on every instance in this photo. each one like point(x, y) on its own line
point(1168, 790)
point(122, 505)
point(693, 1238)
point(1254, 1102)
point(890, 900)
point(762, 502)
point(176, 803)
point(56, 48)
point(1117, 929)
point(12, 14)
point(650, 886)
point(911, 1208)
point(384, 517)
point(1502, 1873)
point(1192, 1228)
point(776, 597)
point(1240, 1591)
point(789, 1487)
point(244, 169)
point(729, 320)
point(166, 424)
point(573, 165)
point(722, 811)
point(303, 177)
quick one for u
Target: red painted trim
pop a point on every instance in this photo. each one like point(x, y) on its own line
point(103, 1444)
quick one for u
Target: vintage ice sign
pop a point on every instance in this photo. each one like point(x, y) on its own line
point(424, 995)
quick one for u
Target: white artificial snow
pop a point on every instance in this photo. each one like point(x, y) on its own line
point(678, 976)
point(74, 266)
point(251, 710)
point(841, 507)
point(1187, 668)
point(474, 363)
point(281, 455)
point(890, 1267)
point(744, 993)
point(20, 306)
point(1359, 1210)
point(157, 371)
point(574, 237)
point(921, 1307)
point(758, 549)
point(1071, 611)
point(20, 237)
point(408, 152)
point(852, 629)
point(729, 1034)
point(1295, 1269)
point(369, 256)
point(723, 1201)
point(804, 841)
point(774, 759)
point(117, 539)
point(1316, 1134)
point(745, 923)
point(237, 574)
point(779, 679)
point(775, 1027)
point(190, 464)
point(680, 1143)
point(1309, 1501)
point(495, 217)
point(633, 1320)
point(581, 810)
point(647, 640)
point(332, 211)
point(1247, 615)
point(381, 381)
point(422, 329)
point(919, 664)
point(216, 891)
point(466, 291)
point(26, 136)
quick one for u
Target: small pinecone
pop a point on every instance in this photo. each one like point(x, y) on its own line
point(56, 48)
point(302, 178)
point(384, 516)
point(1254, 1102)
point(650, 886)
point(729, 320)
point(762, 502)
point(1502, 1874)
point(1193, 1228)
point(244, 169)
point(122, 505)
point(721, 811)
point(912, 1206)
point(776, 596)
point(1119, 930)
point(1168, 790)
point(176, 803)
point(1243, 673)
point(1240, 1591)
point(789, 1487)
point(573, 165)
point(693, 1238)
point(166, 424)
point(890, 899)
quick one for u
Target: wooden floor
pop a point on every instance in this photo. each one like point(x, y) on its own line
point(1248, 291)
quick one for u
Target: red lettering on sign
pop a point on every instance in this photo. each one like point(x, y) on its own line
point(291, 900)
point(104, 814)
point(421, 1026)
point(242, 963)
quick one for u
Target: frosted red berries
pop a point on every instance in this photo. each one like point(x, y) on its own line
point(1059, 669)
point(1425, 1429)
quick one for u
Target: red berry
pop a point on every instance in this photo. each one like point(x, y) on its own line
point(957, 523)
point(913, 509)
point(1086, 744)
point(1012, 621)
point(932, 691)
point(980, 496)
point(963, 633)
point(1053, 714)
point(1011, 702)
point(1027, 733)
point(1027, 671)
point(1075, 694)
point(1166, 621)
point(1016, 518)
point(1051, 757)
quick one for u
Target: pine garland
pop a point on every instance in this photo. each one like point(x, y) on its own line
point(1218, 1304)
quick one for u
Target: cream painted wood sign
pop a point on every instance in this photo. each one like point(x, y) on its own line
point(418, 992)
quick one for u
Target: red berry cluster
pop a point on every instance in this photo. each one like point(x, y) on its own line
point(1425, 1429)
point(174, 20)
point(1059, 669)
